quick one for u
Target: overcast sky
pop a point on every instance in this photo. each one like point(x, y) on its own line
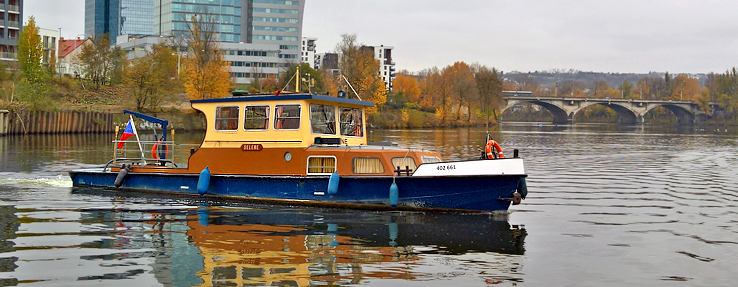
point(677, 36)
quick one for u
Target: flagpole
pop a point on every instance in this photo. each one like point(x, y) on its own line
point(133, 125)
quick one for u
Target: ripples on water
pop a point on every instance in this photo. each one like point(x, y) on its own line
point(607, 206)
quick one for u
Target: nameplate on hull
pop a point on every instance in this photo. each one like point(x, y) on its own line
point(252, 147)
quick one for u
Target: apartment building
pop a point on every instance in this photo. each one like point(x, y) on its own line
point(11, 23)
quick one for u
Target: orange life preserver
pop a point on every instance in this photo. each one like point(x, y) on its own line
point(488, 149)
point(155, 150)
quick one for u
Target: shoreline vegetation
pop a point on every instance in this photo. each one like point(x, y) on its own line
point(458, 95)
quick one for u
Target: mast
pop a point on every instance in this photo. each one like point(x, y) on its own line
point(297, 79)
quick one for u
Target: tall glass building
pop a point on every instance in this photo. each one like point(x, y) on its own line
point(276, 22)
point(238, 21)
point(119, 17)
point(259, 38)
point(172, 17)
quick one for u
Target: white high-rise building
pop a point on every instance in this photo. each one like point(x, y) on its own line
point(386, 65)
point(307, 53)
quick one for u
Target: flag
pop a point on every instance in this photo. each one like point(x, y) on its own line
point(127, 133)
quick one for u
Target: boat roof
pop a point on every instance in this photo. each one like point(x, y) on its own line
point(286, 97)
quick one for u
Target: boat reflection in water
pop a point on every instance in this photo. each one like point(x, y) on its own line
point(102, 237)
point(308, 246)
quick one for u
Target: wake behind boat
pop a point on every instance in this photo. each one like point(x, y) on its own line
point(306, 149)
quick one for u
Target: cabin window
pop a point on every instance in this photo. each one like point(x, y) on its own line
point(251, 273)
point(321, 164)
point(367, 165)
point(226, 118)
point(323, 119)
point(351, 122)
point(402, 162)
point(430, 159)
point(286, 117)
point(256, 118)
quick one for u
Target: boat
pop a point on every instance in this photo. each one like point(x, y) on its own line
point(305, 149)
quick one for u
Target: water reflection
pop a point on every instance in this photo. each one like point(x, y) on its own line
point(308, 246)
point(170, 241)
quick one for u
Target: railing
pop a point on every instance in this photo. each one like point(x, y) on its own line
point(13, 8)
point(2, 6)
point(152, 153)
point(7, 55)
point(13, 24)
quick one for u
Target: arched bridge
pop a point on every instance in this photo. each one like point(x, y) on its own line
point(630, 111)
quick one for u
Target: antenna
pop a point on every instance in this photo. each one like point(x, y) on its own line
point(352, 88)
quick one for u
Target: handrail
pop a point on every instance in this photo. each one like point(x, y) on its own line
point(163, 123)
point(173, 152)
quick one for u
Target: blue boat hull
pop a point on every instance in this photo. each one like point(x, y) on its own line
point(480, 193)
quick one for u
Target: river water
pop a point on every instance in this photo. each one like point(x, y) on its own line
point(608, 206)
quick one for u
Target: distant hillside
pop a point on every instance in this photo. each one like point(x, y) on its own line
point(549, 78)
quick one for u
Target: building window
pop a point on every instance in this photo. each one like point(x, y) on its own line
point(287, 117)
point(226, 118)
point(256, 118)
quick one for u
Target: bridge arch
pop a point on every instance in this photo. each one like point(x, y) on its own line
point(629, 111)
point(560, 115)
point(625, 114)
point(683, 115)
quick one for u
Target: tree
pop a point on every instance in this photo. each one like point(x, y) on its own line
point(100, 63)
point(436, 91)
point(207, 74)
point(311, 79)
point(463, 87)
point(599, 89)
point(625, 89)
point(489, 86)
point(30, 52)
point(358, 65)
point(686, 88)
point(153, 77)
point(407, 88)
point(570, 88)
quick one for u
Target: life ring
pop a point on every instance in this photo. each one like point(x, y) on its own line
point(490, 153)
point(155, 150)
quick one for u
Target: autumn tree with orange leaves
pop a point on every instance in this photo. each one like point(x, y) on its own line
point(407, 88)
point(358, 65)
point(207, 74)
point(463, 88)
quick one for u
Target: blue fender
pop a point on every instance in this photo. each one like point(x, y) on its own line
point(394, 195)
point(333, 183)
point(203, 183)
point(522, 188)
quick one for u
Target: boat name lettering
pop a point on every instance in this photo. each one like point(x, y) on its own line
point(446, 167)
point(251, 147)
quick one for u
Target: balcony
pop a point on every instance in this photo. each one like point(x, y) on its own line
point(2, 6)
point(13, 24)
point(13, 8)
point(7, 55)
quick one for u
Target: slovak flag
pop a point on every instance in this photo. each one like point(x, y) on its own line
point(127, 133)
